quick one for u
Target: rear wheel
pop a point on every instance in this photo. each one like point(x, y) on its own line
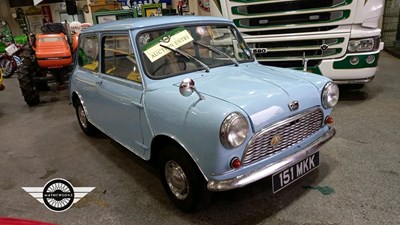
point(182, 180)
point(84, 123)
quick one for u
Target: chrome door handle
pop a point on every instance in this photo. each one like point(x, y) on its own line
point(139, 105)
point(99, 82)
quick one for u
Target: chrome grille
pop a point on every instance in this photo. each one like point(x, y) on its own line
point(284, 6)
point(291, 131)
point(294, 21)
point(256, 14)
point(300, 19)
point(292, 52)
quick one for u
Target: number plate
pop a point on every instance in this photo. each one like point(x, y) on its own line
point(287, 176)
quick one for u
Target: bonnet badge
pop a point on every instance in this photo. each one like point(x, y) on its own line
point(275, 140)
point(294, 105)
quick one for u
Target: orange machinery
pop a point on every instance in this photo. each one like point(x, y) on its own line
point(52, 51)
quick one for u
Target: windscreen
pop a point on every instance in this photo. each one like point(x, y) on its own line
point(183, 49)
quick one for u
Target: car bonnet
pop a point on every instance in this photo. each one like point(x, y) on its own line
point(264, 93)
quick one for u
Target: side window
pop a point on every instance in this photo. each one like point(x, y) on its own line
point(89, 53)
point(119, 60)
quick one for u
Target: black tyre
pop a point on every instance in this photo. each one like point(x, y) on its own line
point(8, 67)
point(42, 85)
point(59, 75)
point(28, 88)
point(84, 123)
point(182, 180)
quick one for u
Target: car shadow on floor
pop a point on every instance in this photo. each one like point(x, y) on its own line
point(347, 93)
point(248, 205)
point(256, 202)
point(357, 93)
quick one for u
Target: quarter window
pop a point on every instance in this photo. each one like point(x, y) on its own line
point(88, 57)
point(119, 60)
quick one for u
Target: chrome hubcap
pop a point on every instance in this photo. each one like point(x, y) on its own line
point(176, 180)
point(82, 116)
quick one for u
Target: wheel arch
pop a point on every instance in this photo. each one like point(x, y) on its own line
point(163, 140)
point(75, 98)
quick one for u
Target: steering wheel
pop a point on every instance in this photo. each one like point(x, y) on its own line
point(166, 69)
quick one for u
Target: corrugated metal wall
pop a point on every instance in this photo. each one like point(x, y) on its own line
point(391, 25)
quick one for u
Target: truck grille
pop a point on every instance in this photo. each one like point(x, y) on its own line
point(289, 24)
point(291, 31)
point(292, 64)
point(289, 132)
point(299, 19)
point(292, 52)
point(284, 6)
point(266, 14)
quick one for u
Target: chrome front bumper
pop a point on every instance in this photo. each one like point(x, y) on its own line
point(268, 170)
point(357, 81)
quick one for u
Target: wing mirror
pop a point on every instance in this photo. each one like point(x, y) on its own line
point(187, 87)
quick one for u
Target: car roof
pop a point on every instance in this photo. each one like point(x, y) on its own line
point(142, 22)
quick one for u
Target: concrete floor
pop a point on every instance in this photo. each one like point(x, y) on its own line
point(359, 168)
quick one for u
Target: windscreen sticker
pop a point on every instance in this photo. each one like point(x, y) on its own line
point(173, 39)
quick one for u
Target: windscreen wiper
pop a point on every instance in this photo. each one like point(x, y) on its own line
point(216, 50)
point(187, 56)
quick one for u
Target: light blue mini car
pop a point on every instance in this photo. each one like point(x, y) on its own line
point(188, 92)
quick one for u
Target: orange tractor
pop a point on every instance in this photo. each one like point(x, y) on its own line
point(47, 58)
point(52, 51)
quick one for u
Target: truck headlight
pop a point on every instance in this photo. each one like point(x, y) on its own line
point(233, 130)
point(330, 95)
point(363, 45)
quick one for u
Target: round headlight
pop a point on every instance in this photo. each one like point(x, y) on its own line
point(370, 59)
point(234, 130)
point(330, 95)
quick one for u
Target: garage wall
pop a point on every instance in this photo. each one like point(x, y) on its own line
point(5, 14)
point(193, 7)
point(56, 8)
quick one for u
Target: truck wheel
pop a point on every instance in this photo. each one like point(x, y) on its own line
point(28, 89)
point(182, 180)
point(84, 123)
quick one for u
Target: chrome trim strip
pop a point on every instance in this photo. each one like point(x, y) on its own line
point(268, 170)
point(358, 81)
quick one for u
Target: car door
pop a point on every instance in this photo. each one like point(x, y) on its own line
point(87, 77)
point(120, 92)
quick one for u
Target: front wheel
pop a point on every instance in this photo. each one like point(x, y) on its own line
point(28, 89)
point(182, 180)
point(26, 83)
